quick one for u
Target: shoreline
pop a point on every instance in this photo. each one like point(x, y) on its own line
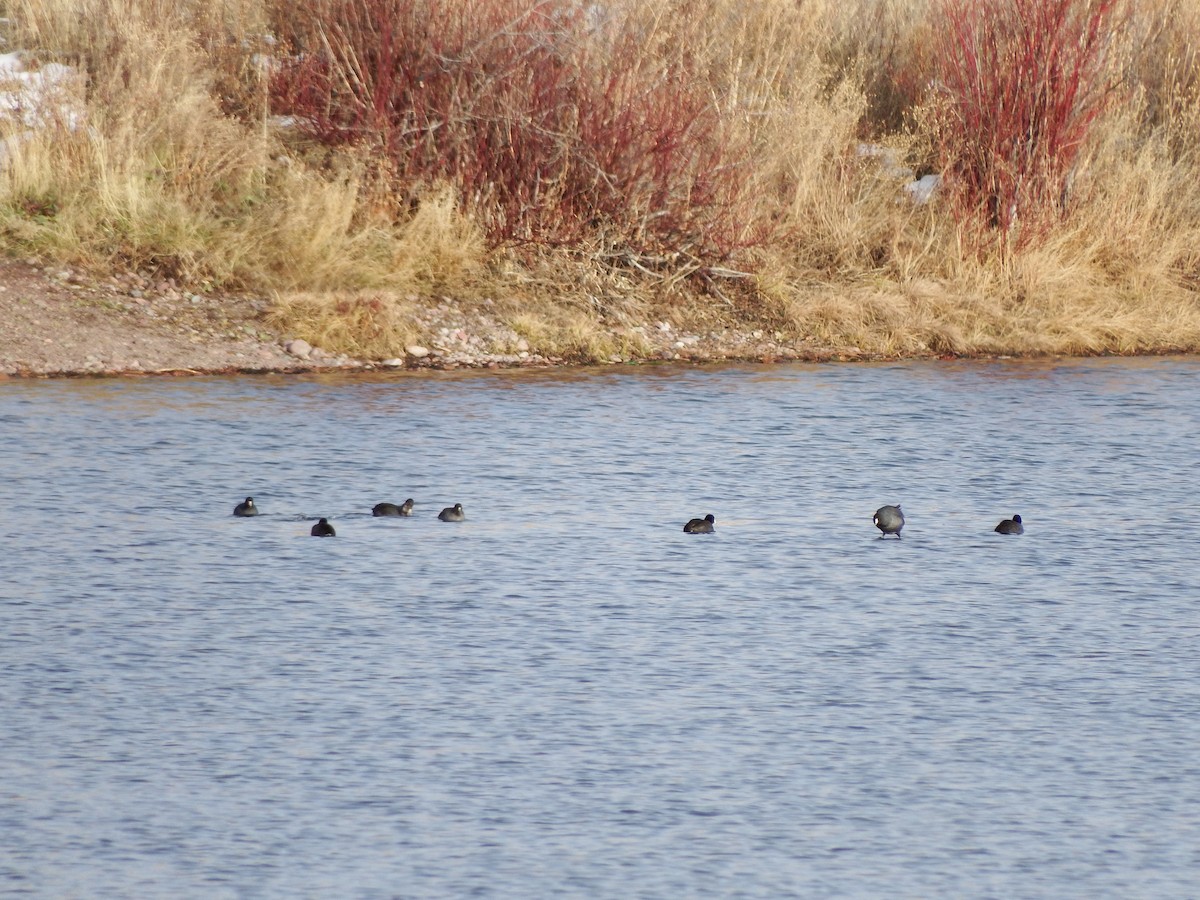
point(61, 322)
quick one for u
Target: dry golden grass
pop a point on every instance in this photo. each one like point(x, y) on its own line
point(180, 170)
point(1119, 274)
point(367, 324)
point(162, 179)
point(572, 334)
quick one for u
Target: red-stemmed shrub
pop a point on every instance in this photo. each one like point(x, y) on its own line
point(554, 127)
point(1018, 84)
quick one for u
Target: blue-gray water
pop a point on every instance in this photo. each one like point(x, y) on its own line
point(567, 696)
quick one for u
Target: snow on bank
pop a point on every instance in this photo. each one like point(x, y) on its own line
point(920, 190)
point(36, 97)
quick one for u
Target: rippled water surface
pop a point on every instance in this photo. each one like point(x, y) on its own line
point(567, 696)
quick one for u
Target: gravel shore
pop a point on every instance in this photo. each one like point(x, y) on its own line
point(60, 321)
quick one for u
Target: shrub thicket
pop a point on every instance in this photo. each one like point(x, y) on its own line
point(1018, 86)
point(552, 125)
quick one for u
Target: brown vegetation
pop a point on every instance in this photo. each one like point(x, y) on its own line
point(586, 168)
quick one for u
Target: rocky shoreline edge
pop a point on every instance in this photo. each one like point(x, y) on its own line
point(62, 322)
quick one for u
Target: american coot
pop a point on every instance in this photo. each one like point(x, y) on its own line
point(391, 509)
point(246, 508)
point(452, 513)
point(1011, 526)
point(323, 529)
point(700, 526)
point(889, 520)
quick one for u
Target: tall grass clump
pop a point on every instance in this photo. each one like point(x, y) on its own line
point(141, 151)
point(147, 169)
point(885, 46)
point(548, 116)
point(1018, 86)
point(1161, 66)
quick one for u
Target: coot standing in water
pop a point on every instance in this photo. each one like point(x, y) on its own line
point(889, 520)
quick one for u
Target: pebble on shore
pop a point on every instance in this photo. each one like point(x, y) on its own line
point(301, 349)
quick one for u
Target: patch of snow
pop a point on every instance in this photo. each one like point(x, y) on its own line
point(921, 191)
point(889, 160)
point(42, 97)
point(265, 64)
point(36, 99)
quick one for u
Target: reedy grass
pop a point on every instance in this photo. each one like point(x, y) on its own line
point(180, 169)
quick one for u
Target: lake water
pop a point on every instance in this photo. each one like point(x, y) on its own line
point(566, 695)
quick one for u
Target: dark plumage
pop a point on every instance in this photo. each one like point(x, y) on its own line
point(246, 508)
point(452, 513)
point(323, 529)
point(1011, 526)
point(701, 526)
point(889, 520)
point(391, 509)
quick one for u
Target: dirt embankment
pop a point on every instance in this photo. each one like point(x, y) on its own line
point(59, 321)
